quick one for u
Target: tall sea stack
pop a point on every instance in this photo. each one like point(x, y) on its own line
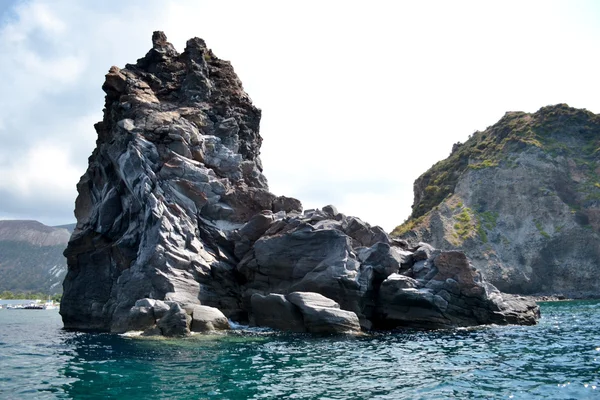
point(176, 227)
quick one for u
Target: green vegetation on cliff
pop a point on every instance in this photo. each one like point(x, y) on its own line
point(486, 222)
point(463, 224)
point(407, 226)
point(551, 129)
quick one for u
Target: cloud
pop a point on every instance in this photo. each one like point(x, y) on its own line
point(42, 181)
point(358, 99)
point(53, 65)
point(33, 173)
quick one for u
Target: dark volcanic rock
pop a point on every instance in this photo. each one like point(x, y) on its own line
point(302, 312)
point(176, 322)
point(451, 294)
point(275, 311)
point(322, 315)
point(385, 286)
point(174, 217)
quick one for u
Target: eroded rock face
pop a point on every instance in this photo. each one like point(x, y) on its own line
point(177, 231)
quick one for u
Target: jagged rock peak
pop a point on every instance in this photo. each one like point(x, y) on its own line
point(195, 90)
point(159, 39)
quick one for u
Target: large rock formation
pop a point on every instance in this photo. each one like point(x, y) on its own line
point(386, 284)
point(31, 257)
point(522, 198)
point(174, 217)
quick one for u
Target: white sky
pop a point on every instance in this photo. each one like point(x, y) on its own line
point(358, 98)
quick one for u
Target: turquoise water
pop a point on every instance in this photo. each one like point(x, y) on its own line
point(557, 359)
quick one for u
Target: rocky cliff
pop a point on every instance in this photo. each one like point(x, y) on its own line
point(31, 258)
point(522, 198)
point(177, 230)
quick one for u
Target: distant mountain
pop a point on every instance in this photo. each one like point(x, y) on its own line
point(31, 256)
point(69, 227)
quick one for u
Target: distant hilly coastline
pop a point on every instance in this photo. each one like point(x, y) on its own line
point(69, 227)
point(31, 256)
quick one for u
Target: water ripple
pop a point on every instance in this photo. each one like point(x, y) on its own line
point(557, 359)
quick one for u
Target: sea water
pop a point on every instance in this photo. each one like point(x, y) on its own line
point(557, 359)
